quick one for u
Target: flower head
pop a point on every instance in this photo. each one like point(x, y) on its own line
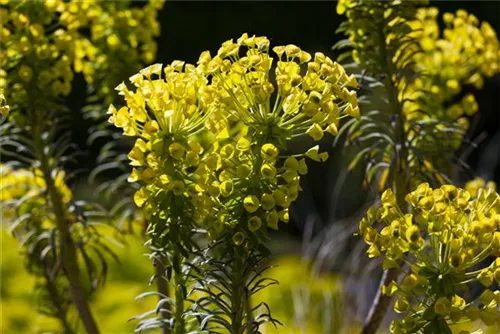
point(209, 147)
point(445, 237)
point(309, 95)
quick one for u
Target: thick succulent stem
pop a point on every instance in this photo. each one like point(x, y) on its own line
point(400, 179)
point(69, 258)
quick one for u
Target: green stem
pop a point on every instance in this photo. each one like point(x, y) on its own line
point(237, 294)
point(55, 297)
point(162, 287)
point(69, 258)
point(400, 180)
point(179, 326)
point(248, 314)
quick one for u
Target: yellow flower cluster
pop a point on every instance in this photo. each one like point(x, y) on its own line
point(22, 196)
point(478, 183)
point(4, 107)
point(43, 41)
point(464, 53)
point(372, 23)
point(211, 149)
point(446, 243)
point(402, 43)
point(310, 93)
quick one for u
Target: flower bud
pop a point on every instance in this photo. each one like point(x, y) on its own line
point(313, 153)
point(485, 277)
point(272, 219)
point(496, 275)
point(291, 163)
point(410, 281)
point(267, 202)
point(456, 260)
point(140, 197)
point(268, 171)
point(413, 233)
point(269, 152)
point(192, 159)
point(302, 168)
point(238, 238)
point(176, 151)
point(243, 171)
point(227, 151)
point(251, 203)
point(254, 223)
point(442, 306)
point(279, 197)
point(402, 305)
point(289, 176)
point(284, 216)
point(226, 188)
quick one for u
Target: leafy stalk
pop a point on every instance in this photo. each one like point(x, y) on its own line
point(381, 302)
point(69, 259)
point(163, 290)
point(237, 296)
point(55, 297)
point(179, 325)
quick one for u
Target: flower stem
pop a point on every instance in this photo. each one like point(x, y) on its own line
point(237, 296)
point(400, 179)
point(69, 258)
point(179, 326)
point(55, 297)
point(162, 288)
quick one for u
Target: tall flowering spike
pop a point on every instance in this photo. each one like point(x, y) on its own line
point(308, 95)
point(423, 68)
point(465, 52)
point(165, 110)
point(253, 118)
point(449, 241)
point(210, 147)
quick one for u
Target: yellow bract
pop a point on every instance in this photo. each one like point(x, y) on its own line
point(22, 194)
point(445, 237)
point(465, 52)
point(243, 87)
point(4, 107)
point(213, 137)
point(43, 45)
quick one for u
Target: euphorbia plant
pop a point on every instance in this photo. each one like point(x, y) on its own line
point(211, 155)
point(420, 125)
point(44, 43)
point(446, 242)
